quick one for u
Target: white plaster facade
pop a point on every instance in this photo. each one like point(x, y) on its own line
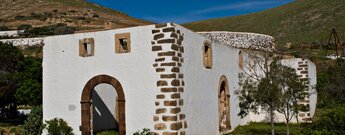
point(65, 74)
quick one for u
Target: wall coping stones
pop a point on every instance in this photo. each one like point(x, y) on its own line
point(243, 40)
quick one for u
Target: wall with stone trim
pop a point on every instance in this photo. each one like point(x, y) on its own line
point(166, 86)
point(252, 41)
point(65, 74)
point(168, 43)
point(202, 84)
point(24, 41)
point(305, 69)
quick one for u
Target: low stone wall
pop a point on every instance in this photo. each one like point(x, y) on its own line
point(250, 41)
point(24, 41)
point(13, 33)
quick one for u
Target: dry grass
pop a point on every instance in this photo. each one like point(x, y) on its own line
point(77, 13)
point(302, 21)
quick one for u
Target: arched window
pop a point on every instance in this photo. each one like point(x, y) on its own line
point(223, 105)
point(207, 55)
point(240, 60)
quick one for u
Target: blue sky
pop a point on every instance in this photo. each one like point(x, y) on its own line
point(182, 11)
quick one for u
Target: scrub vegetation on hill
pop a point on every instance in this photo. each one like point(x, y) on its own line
point(301, 21)
point(76, 13)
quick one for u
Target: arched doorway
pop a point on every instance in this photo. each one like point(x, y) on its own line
point(87, 107)
point(223, 105)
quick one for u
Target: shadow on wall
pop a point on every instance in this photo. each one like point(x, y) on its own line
point(104, 102)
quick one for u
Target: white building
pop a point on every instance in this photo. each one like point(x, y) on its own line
point(162, 77)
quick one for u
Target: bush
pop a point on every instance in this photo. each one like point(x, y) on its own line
point(95, 16)
point(29, 74)
point(13, 130)
point(57, 29)
point(58, 127)
point(331, 122)
point(33, 125)
point(24, 27)
point(144, 132)
point(38, 16)
point(331, 85)
point(3, 28)
point(20, 17)
point(110, 132)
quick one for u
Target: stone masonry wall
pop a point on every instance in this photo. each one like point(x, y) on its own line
point(24, 41)
point(13, 33)
point(302, 72)
point(250, 41)
point(169, 118)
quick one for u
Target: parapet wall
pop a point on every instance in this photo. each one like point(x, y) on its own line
point(24, 41)
point(12, 33)
point(243, 40)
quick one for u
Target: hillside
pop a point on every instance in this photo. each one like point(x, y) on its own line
point(77, 13)
point(302, 21)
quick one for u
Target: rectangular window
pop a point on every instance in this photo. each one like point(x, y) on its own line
point(122, 43)
point(86, 47)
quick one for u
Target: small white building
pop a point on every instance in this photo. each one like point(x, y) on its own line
point(163, 77)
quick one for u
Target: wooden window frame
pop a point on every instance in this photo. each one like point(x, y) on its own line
point(240, 60)
point(82, 51)
point(118, 46)
point(207, 56)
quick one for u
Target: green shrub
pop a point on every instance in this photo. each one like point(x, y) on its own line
point(58, 127)
point(263, 128)
point(331, 122)
point(13, 130)
point(33, 125)
point(20, 17)
point(38, 16)
point(95, 16)
point(110, 132)
point(24, 27)
point(56, 29)
point(3, 28)
point(145, 131)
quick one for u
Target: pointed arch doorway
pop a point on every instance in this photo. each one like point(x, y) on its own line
point(86, 103)
point(223, 105)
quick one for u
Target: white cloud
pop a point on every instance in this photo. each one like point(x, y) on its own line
point(246, 5)
point(175, 19)
point(200, 14)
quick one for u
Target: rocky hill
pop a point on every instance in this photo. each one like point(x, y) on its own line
point(78, 13)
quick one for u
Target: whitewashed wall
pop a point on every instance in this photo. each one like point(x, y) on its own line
point(65, 74)
point(201, 89)
point(290, 62)
point(311, 68)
